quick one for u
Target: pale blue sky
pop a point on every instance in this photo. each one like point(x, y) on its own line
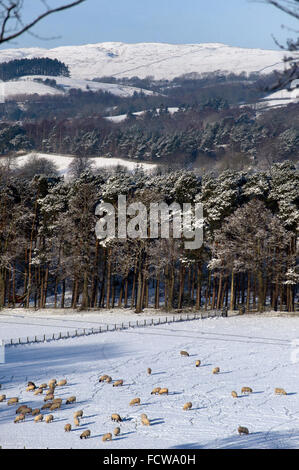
point(243, 23)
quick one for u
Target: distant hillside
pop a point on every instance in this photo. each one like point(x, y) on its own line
point(159, 60)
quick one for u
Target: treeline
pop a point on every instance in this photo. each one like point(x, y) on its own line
point(49, 251)
point(36, 66)
point(209, 90)
point(204, 136)
point(197, 88)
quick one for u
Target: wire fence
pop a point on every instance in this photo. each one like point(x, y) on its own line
point(75, 333)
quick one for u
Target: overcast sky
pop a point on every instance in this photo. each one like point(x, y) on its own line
point(243, 23)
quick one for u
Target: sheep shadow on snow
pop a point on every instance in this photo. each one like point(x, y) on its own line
point(86, 424)
point(156, 421)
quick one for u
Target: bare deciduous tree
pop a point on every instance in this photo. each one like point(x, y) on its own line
point(286, 79)
point(12, 17)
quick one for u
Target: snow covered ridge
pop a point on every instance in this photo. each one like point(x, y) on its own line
point(159, 60)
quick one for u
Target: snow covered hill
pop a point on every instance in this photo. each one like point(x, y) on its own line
point(160, 60)
point(251, 351)
point(29, 86)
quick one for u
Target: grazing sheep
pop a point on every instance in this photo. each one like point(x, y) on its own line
point(21, 408)
point(85, 434)
point(135, 401)
point(31, 384)
point(35, 412)
point(155, 391)
point(163, 391)
point(108, 379)
point(49, 397)
point(52, 382)
point(61, 383)
point(49, 418)
point(26, 410)
point(187, 406)
point(234, 394)
point(30, 388)
point(197, 363)
point(145, 421)
point(103, 378)
point(216, 370)
point(184, 353)
point(20, 417)
point(68, 427)
point(39, 391)
point(55, 406)
point(2, 397)
point(280, 391)
point(116, 417)
point(107, 437)
point(57, 400)
point(78, 414)
point(149, 371)
point(242, 430)
point(70, 400)
point(116, 431)
point(13, 401)
point(47, 405)
point(246, 390)
point(38, 418)
point(118, 383)
point(77, 422)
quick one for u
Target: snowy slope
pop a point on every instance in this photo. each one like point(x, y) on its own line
point(28, 86)
point(159, 60)
point(252, 351)
point(280, 98)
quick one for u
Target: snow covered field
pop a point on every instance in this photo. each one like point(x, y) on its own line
point(253, 351)
point(63, 162)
